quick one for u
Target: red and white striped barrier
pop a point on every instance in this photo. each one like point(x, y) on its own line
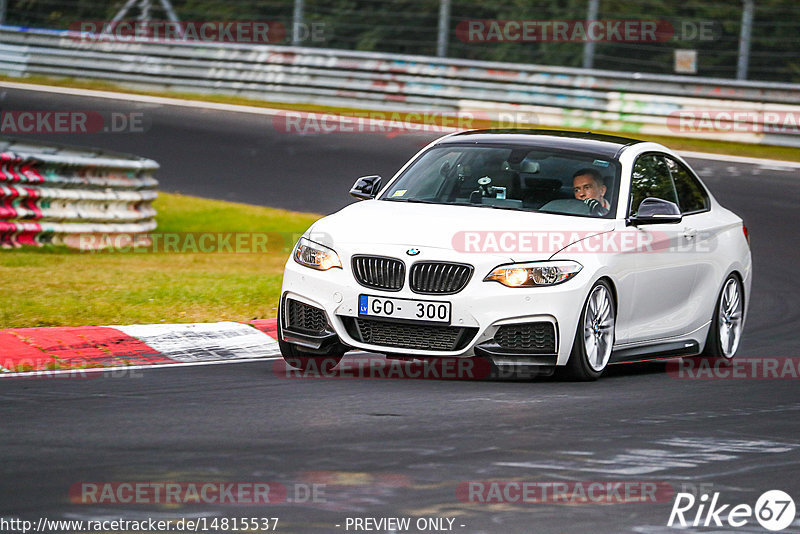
point(54, 194)
point(43, 350)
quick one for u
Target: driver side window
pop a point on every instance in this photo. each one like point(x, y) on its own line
point(651, 178)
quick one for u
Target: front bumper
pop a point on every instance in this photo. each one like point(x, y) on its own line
point(481, 308)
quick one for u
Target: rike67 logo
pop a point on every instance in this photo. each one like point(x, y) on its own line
point(774, 510)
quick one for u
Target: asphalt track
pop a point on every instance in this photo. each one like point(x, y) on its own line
point(392, 447)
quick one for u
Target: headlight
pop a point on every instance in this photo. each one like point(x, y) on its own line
point(315, 255)
point(546, 273)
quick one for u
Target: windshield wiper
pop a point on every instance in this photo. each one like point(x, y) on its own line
point(421, 201)
point(502, 207)
point(486, 206)
point(411, 200)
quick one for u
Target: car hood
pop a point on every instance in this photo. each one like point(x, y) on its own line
point(379, 222)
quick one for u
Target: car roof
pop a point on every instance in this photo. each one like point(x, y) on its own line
point(608, 146)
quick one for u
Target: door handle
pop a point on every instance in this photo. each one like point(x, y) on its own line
point(689, 233)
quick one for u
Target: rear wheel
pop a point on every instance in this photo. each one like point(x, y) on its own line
point(594, 338)
point(726, 325)
point(304, 361)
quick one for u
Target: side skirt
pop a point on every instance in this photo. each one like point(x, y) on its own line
point(657, 351)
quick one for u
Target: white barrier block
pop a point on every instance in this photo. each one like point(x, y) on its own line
point(205, 341)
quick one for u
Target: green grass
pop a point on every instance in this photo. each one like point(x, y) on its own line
point(55, 286)
point(710, 145)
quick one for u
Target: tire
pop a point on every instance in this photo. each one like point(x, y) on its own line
point(727, 322)
point(594, 337)
point(304, 361)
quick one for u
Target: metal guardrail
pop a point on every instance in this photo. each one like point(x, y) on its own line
point(56, 194)
point(569, 97)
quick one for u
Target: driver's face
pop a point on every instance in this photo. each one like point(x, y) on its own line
point(585, 187)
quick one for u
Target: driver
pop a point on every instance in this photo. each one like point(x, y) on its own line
point(588, 186)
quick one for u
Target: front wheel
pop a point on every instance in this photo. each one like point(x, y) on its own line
point(594, 338)
point(726, 325)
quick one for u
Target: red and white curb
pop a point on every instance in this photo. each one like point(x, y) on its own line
point(25, 351)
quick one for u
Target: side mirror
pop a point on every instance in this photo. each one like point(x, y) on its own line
point(366, 187)
point(656, 211)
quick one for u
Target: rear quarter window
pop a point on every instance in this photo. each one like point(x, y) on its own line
point(692, 197)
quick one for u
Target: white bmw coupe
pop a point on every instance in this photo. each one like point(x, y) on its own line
point(541, 250)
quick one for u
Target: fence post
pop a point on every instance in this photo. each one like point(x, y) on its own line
point(744, 40)
point(588, 46)
point(297, 22)
point(444, 27)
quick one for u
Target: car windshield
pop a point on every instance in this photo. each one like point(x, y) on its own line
point(513, 177)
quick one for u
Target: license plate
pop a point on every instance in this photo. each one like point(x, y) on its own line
point(412, 310)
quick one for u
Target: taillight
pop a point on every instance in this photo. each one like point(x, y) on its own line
point(746, 233)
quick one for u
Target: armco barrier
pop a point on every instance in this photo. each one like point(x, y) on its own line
point(55, 194)
point(551, 96)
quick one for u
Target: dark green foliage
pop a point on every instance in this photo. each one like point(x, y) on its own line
point(410, 27)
